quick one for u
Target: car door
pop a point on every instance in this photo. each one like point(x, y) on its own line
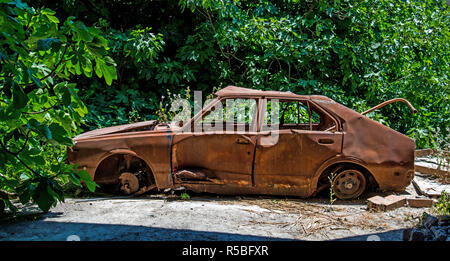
point(292, 147)
point(221, 142)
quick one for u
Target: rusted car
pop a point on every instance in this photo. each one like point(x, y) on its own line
point(315, 142)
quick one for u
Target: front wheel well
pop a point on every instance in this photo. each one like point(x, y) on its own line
point(109, 169)
point(323, 181)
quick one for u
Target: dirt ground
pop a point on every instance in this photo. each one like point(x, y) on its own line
point(210, 217)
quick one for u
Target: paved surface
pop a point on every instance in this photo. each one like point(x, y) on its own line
point(206, 217)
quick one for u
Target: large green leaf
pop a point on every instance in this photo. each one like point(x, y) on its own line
point(60, 135)
point(83, 31)
point(106, 69)
point(66, 97)
point(86, 178)
point(109, 72)
point(42, 197)
point(20, 99)
point(46, 44)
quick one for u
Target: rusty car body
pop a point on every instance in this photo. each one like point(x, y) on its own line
point(330, 142)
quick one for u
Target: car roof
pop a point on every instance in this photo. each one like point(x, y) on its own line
point(325, 102)
point(234, 91)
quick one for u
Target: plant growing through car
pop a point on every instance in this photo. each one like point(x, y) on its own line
point(330, 179)
point(185, 196)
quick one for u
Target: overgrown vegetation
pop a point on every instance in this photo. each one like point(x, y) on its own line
point(359, 53)
point(40, 110)
point(442, 206)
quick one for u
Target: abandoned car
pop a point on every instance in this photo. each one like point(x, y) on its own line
point(314, 143)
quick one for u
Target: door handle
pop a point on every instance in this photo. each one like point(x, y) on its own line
point(242, 141)
point(326, 141)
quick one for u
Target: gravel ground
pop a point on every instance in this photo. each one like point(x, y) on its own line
point(205, 217)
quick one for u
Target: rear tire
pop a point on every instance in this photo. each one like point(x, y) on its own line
point(349, 184)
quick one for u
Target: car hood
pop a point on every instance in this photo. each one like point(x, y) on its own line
point(139, 126)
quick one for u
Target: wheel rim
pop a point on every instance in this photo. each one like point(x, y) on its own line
point(129, 183)
point(349, 184)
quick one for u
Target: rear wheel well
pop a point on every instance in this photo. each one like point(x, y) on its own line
point(323, 181)
point(110, 168)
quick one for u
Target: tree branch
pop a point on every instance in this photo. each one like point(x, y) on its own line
point(214, 30)
point(24, 144)
point(52, 72)
point(21, 149)
point(19, 159)
point(42, 111)
point(201, 12)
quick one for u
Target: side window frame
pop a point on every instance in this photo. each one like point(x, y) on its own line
point(255, 120)
point(329, 115)
point(310, 110)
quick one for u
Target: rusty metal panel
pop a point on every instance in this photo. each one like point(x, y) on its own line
point(294, 159)
point(152, 147)
point(228, 156)
point(386, 153)
point(145, 125)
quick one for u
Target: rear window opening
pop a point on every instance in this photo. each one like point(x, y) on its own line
point(295, 114)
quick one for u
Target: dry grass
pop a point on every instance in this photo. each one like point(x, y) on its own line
point(316, 218)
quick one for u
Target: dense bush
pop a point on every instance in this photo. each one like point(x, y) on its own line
point(359, 53)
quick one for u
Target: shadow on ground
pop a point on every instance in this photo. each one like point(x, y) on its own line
point(62, 231)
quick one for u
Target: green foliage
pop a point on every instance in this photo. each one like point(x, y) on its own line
point(442, 206)
point(166, 112)
point(135, 51)
point(40, 110)
point(185, 196)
